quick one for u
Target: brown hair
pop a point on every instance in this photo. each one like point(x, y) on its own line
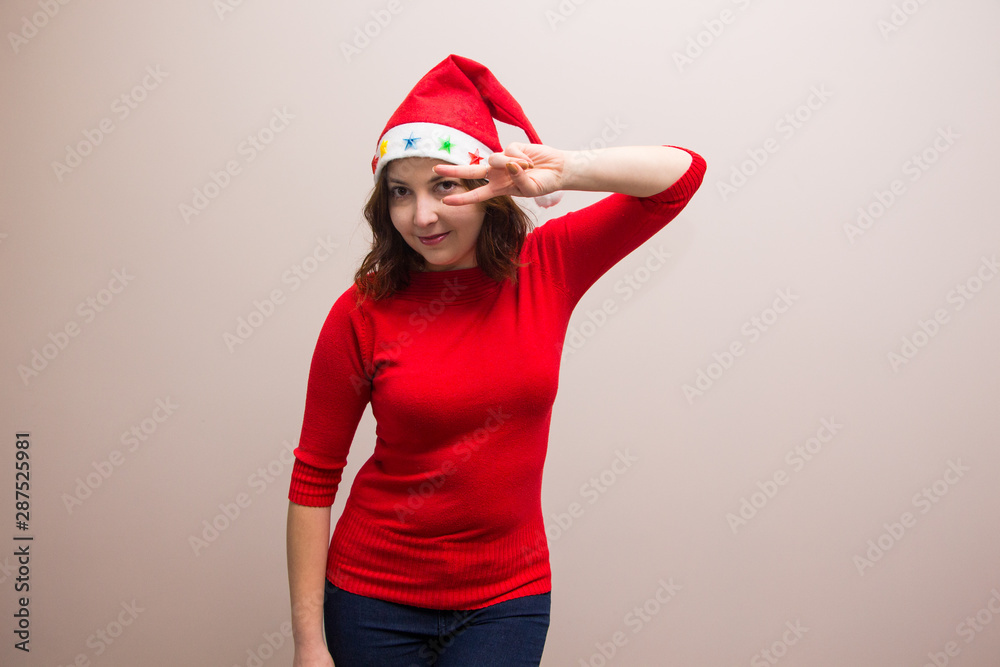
point(385, 269)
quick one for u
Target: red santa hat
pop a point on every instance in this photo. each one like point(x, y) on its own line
point(450, 115)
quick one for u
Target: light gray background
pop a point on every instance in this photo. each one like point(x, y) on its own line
point(587, 74)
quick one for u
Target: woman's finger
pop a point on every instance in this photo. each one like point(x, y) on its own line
point(517, 151)
point(498, 160)
point(516, 171)
point(482, 193)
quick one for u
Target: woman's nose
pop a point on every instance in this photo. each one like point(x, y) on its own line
point(427, 210)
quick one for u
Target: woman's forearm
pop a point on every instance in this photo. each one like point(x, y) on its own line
point(307, 541)
point(640, 171)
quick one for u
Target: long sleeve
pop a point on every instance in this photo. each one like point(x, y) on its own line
point(580, 247)
point(338, 390)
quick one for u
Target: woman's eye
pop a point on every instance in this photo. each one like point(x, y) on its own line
point(397, 191)
point(448, 186)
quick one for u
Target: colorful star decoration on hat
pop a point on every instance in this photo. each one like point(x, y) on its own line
point(475, 158)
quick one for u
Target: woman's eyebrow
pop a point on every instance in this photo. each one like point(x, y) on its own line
point(433, 179)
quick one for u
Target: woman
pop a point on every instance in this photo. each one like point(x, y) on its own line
point(453, 331)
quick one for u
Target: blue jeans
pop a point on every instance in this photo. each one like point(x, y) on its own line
point(363, 631)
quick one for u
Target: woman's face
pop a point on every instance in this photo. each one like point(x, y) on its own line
point(445, 236)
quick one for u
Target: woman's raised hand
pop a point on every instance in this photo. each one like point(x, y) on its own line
point(522, 170)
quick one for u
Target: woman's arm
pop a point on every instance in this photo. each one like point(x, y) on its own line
point(640, 171)
point(578, 247)
point(308, 540)
point(532, 170)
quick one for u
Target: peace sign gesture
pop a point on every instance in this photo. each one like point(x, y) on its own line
point(522, 170)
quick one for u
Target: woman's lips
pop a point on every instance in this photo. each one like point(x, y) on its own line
point(433, 240)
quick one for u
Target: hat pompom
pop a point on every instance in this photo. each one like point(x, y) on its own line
point(549, 200)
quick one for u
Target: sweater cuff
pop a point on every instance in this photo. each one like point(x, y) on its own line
point(685, 186)
point(313, 487)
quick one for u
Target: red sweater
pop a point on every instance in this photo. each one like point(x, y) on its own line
point(461, 372)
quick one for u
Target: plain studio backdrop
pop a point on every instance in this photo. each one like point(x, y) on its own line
point(775, 440)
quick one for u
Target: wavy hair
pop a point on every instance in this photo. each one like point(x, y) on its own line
point(385, 270)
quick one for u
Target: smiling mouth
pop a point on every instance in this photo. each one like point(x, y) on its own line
point(430, 240)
